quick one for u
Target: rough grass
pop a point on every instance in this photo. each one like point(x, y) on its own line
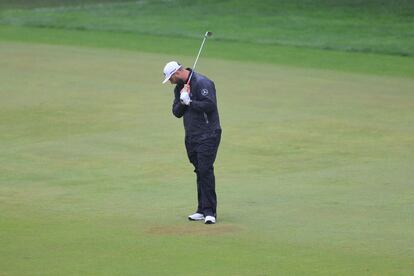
point(361, 26)
point(29, 4)
point(179, 48)
point(313, 174)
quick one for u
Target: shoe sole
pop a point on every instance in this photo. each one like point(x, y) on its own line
point(191, 219)
point(209, 222)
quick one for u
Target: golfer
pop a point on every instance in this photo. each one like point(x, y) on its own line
point(197, 103)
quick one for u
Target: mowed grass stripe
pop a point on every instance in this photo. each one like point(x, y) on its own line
point(247, 52)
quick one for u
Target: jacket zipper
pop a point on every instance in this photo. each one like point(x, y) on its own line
point(206, 118)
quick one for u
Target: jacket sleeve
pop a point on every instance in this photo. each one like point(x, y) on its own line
point(206, 97)
point(178, 109)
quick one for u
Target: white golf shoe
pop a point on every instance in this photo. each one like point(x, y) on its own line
point(210, 220)
point(196, 216)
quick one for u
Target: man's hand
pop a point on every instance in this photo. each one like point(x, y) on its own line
point(186, 88)
point(185, 97)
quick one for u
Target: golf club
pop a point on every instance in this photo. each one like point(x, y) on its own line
point(207, 34)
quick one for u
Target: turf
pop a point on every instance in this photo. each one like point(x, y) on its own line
point(313, 174)
point(315, 166)
point(351, 25)
point(178, 48)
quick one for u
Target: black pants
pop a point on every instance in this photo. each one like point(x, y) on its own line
point(202, 151)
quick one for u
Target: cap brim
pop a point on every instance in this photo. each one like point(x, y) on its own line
point(167, 78)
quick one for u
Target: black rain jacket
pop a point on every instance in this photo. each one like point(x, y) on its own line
point(201, 116)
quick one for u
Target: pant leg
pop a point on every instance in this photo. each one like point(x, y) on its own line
point(206, 155)
point(193, 157)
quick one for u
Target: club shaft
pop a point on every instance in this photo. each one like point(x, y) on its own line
point(198, 55)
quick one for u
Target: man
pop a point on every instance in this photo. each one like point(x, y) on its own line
point(196, 102)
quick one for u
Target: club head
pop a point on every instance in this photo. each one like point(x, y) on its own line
point(208, 34)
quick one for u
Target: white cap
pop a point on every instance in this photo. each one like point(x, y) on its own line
point(169, 69)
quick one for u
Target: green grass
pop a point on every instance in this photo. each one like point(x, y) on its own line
point(313, 174)
point(179, 48)
point(314, 169)
point(30, 4)
point(313, 34)
point(362, 26)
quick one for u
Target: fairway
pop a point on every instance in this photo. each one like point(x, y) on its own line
point(314, 172)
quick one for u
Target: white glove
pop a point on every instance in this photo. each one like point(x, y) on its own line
point(185, 98)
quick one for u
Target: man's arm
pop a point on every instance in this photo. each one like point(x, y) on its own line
point(178, 109)
point(206, 102)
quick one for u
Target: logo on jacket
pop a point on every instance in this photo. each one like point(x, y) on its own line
point(204, 92)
